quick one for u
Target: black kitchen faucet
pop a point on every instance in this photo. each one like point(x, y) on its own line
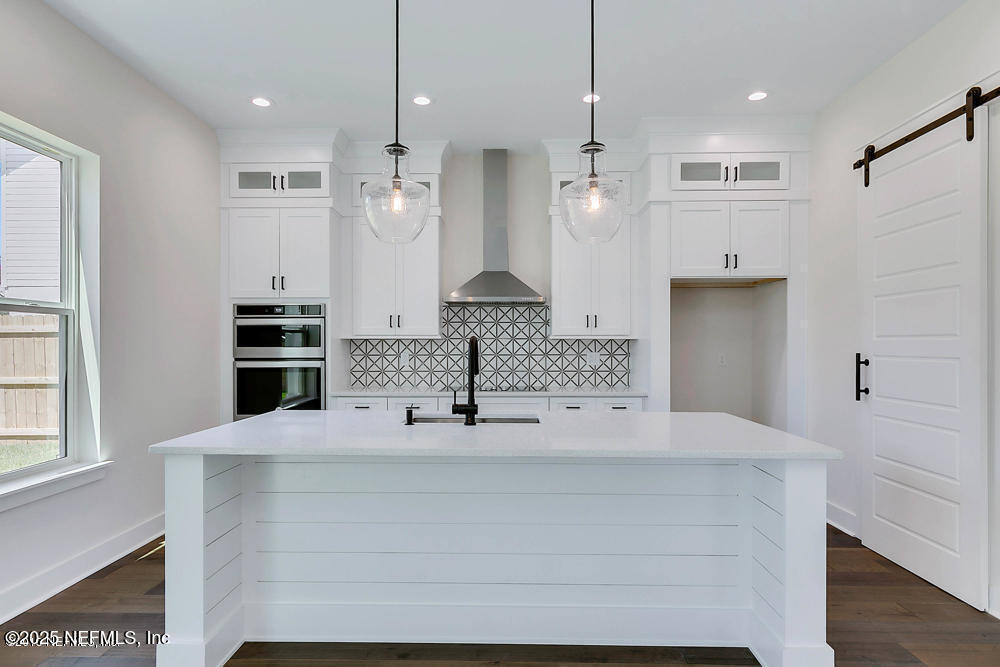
point(469, 408)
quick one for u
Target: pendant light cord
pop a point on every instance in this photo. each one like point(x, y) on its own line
point(593, 94)
point(397, 71)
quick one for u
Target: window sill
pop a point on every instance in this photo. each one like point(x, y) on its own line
point(30, 488)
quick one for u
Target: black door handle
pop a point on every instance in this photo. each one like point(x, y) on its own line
point(727, 261)
point(858, 363)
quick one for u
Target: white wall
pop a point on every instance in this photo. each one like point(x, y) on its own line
point(769, 352)
point(708, 324)
point(159, 301)
point(527, 218)
point(958, 52)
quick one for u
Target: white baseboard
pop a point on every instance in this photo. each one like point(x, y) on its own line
point(842, 519)
point(26, 594)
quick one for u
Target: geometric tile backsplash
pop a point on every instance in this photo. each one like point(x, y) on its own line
point(515, 355)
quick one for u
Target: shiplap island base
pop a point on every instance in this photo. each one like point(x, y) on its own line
point(639, 528)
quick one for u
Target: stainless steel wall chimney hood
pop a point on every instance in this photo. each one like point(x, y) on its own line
point(495, 284)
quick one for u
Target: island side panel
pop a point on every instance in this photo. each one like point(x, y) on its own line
point(204, 618)
point(788, 564)
point(583, 552)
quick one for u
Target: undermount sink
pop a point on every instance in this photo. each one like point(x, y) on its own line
point(488, 419)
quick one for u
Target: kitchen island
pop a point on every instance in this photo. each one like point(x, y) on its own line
point(669, 529)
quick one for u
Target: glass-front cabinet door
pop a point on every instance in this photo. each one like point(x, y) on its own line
point(701, 171)
point(304, 180)
point(760, 171)
point(253, 180)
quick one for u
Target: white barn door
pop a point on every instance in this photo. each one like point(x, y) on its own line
point(922, 263)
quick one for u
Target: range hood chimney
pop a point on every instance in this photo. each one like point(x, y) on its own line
point(495, 284)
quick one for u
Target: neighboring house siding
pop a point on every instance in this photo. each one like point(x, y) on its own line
point(29, 224)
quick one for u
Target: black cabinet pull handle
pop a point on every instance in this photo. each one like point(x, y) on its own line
point(619, 407)
point(390, 321)
point(736, 174)
point(274, 182)
point(282, 181)
point(595, 320)
point(736, 260)
point(588, 321)
point(726, 179)
point(858, 363)
point(273, 282)
point(727, 261)
point(399, 321)
point(282, 282)
point(361, 407)
point(572, 407)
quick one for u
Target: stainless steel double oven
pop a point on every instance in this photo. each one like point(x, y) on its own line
point(278, 358)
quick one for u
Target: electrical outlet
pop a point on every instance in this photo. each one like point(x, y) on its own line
point(405, 359)
point(593, 358)
point(722, 360)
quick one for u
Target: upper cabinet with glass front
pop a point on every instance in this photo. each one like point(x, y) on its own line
point(279, 180)
point(729, 171)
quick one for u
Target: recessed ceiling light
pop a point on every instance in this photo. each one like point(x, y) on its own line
point(757, 96)
point(261, 102)
point(422, 100)
point(590, 98)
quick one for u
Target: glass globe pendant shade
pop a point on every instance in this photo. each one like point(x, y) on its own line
point(593, 206)
point(396, 207)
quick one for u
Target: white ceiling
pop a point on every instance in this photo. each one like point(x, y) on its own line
point(500, 73)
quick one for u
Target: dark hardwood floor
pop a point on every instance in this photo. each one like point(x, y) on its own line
point(878, 614)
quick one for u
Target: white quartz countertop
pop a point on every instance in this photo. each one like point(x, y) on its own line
point(649, 435)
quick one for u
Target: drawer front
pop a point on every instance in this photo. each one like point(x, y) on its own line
point(420, 404)
point(620, 404)
point(495, 404)
point(361, 404)
point(570, 404)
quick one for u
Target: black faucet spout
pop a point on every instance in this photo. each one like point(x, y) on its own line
point(470, 409)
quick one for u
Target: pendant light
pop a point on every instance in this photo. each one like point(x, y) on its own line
point(396, 207)
point(592, 206)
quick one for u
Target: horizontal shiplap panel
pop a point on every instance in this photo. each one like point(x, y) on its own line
point(526, 508)
point(768, 587)
point(768, 489)
point(496, 538)
point(498, 569)
point(217, 464)
point(503, 594)
point(768, 522)
point(223, 518)
point(705, 479)
point(766, 613)
point(223, 549)
point(222, 487)
point(229, 605)
point(768, 554)
point(222, 582)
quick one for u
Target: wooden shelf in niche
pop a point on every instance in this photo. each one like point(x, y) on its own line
point(721, 282)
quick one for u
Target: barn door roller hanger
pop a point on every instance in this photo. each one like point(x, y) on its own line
point(974, 98)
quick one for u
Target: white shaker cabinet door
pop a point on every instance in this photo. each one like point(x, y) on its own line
point(699, 239)
point(418, 292)
point(374, 279)
point(572, 284)
point(759, 239)
point(253, 253)
point(612, 285)
point(305, 253)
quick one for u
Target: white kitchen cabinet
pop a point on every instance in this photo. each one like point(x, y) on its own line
point(430, 181)
point(759, 239)
point(361, 403)
point(279, 253)
point(729, 239)
point(632, 404)
point(729, 171)
point(310, 179)
point(304, 252)
point(396, 286)
point(571, 404)
point(699, 239)
point(591, 285)
point(420, 404)
point(491, 405)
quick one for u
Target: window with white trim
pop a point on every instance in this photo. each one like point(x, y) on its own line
point(38, 303)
